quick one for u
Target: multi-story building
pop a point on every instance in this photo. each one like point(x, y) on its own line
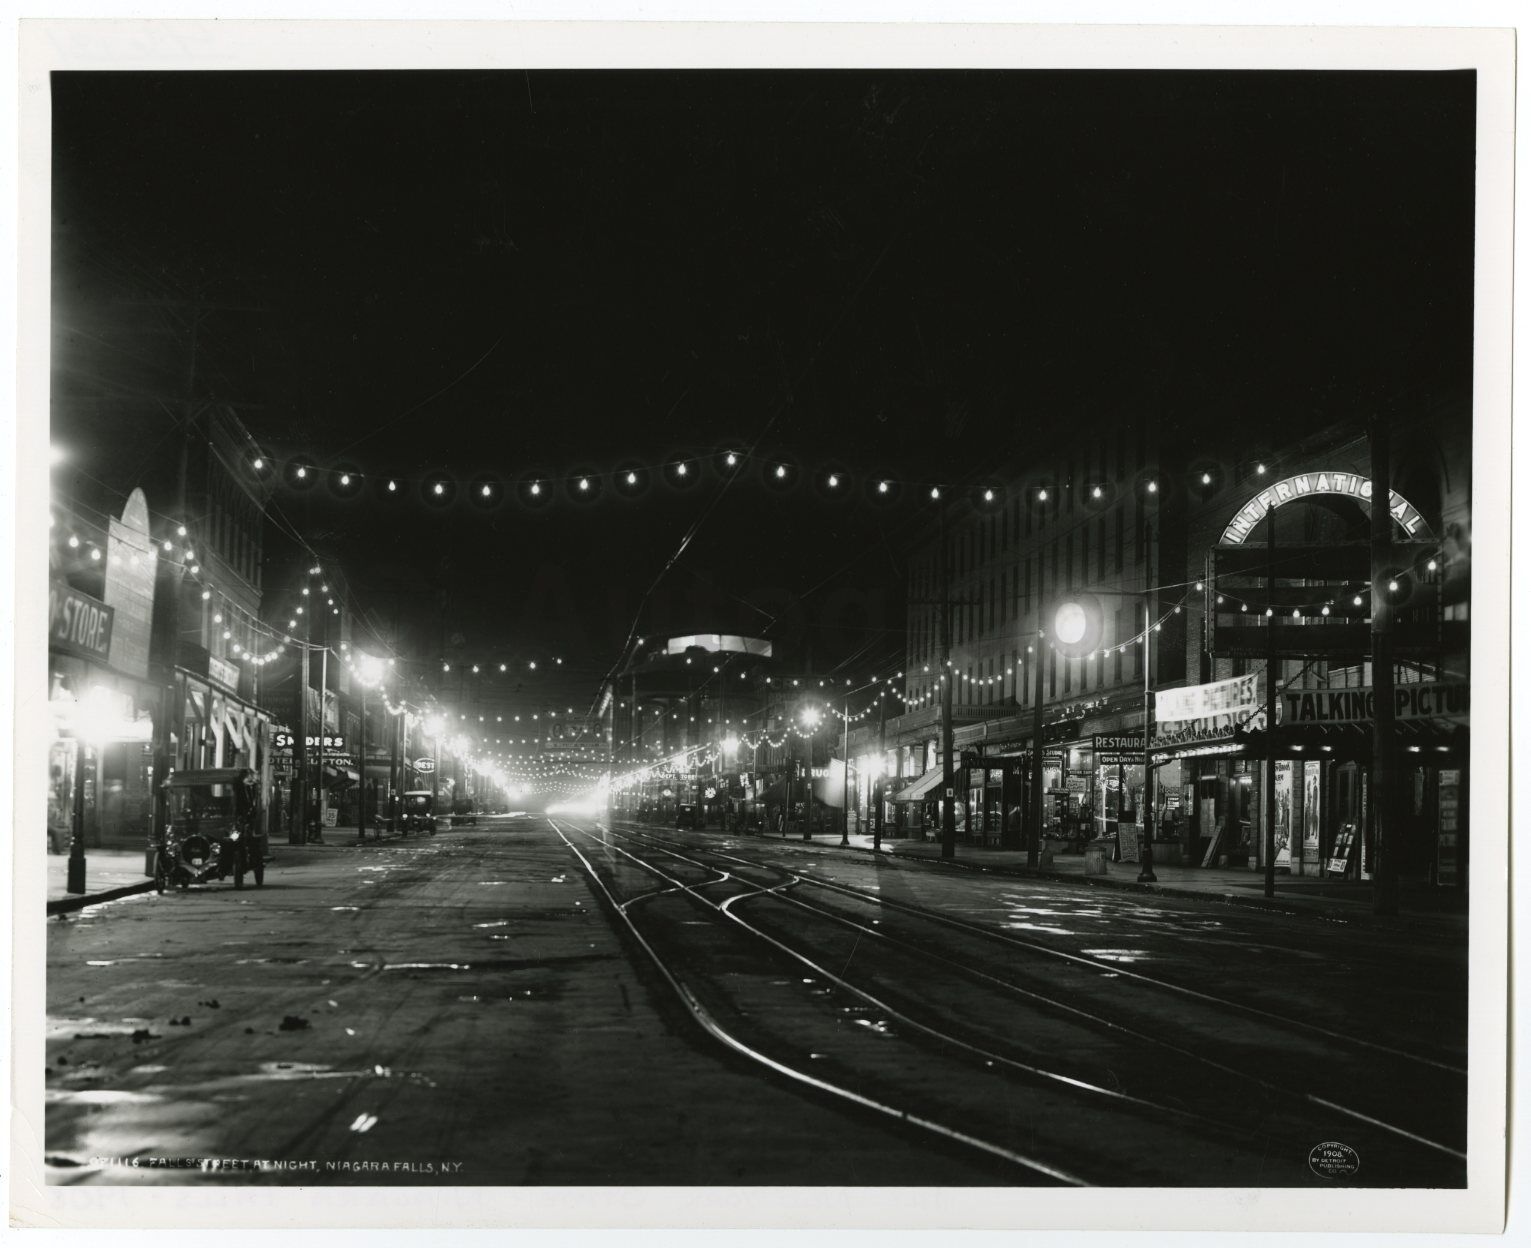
point(1131, 519)
point(172, 570)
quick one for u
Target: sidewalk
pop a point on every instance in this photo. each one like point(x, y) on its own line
point(109, 873)
point(114, 873)
point(1347, 900)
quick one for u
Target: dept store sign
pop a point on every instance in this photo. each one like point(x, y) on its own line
point(77, 623)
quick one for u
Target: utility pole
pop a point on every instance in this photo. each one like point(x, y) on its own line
point(1270, 701)
point(299, 833)
point(75, 882)
point(720, 761)
point(1384, 744)
point(845, 775)
point(1146, 864)
point(324, 697)
point(1034, 808)
point(882, 754)
point(393, 767)
point(808, 784)
point(948, 777)
point(361, 769)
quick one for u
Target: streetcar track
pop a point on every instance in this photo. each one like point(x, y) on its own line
point(947, 1039)
point(1098, 1020)
point(972, 973)
point(699, 1013)
point(987, 933)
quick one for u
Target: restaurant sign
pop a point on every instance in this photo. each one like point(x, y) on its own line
point(1207, 701)
point(77, 623)
point(1117, 749)
point(1346, 483)
point(1423, 699)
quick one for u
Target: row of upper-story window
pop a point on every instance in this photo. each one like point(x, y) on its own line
point(1009, 592)
point(232, 525)
point(1006, 675)
point(220, 625)
point(1114, 463)
point(1001, 679)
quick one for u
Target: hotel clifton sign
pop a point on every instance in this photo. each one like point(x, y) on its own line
point(1304, 484)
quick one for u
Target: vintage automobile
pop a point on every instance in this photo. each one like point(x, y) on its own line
point(417, 813)
point(213, 829)
point(464, 812)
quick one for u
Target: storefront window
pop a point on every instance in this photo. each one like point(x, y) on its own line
point(1311, 810)
point(1283, 812)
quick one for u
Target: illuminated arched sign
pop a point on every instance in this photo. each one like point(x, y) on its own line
point(1304, 484)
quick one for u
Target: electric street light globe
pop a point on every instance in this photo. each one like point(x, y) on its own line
point(730, 744)
point(369, 668)
point(1070, 623)
point(811, 719)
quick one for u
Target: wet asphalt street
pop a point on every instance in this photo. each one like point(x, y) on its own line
point(540, 1001)
point(454, 1009)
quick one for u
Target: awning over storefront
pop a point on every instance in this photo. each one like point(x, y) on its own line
point(340, 775)
point(1419, 740)
point(921, 787)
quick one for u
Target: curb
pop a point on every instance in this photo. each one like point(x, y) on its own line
point(1290, 907)
point(67, 905)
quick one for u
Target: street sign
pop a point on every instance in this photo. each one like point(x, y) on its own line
point(425, 765)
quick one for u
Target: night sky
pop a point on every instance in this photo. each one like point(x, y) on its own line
point(919, 273)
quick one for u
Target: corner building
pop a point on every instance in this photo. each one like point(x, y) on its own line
point(1150, 520)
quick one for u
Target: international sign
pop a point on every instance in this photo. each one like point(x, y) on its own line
point(1345, 483)
point(1221, 697)
point(425, 765)
point(1424, 699)
point(77, 623)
